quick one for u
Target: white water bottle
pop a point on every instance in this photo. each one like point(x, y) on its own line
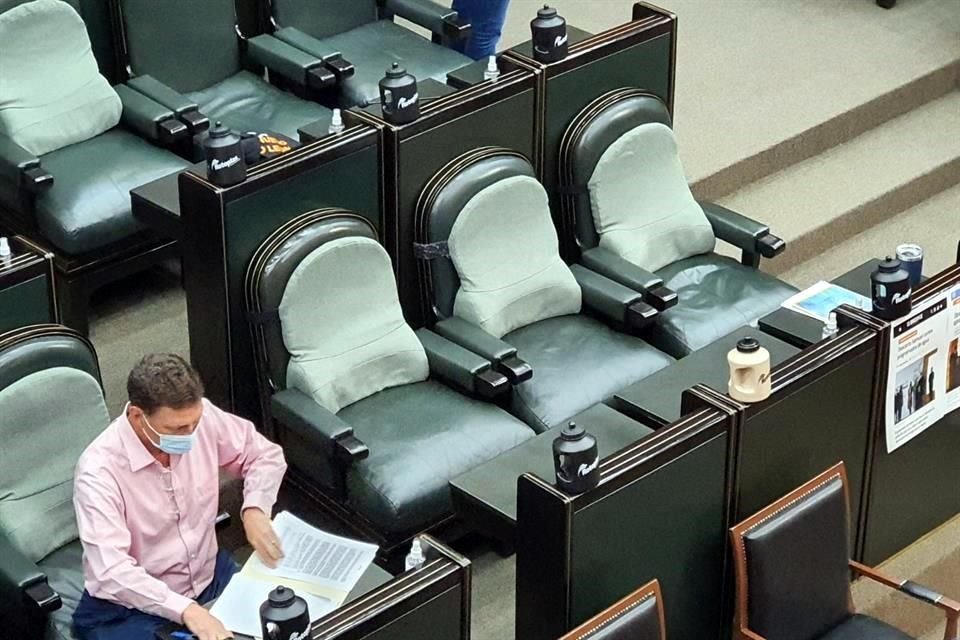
point(415, 558)
point(830, 326)
point(492, 72)
point(336, 123)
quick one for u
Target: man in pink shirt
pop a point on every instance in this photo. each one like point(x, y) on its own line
point(146, 494)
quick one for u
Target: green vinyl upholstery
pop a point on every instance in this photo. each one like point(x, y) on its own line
point(193, 48)
point(420, 433)
point(577, 360)
point(372, 47)
point(88, 206)
point(245, 102)
point(36, 480)
point(420, 437)
point(716, 294)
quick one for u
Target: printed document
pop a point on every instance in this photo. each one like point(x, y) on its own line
point(818, 300)
point(320, 567)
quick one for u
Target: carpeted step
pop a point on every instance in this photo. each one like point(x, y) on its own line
point(933, 224)
point(826, 200)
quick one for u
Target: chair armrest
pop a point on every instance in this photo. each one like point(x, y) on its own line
point(298, 412)
point(21, 580)
point(460, 367)
point(609, 264)
point(440, 19)
point(748, 235)
point(297, 65)
point(149, 118)
point(186, 110)
point(502, 355)
point(914, 590)
point(612, 300)
point(21, 168)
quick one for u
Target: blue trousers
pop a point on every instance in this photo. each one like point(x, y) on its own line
point(487, 18)
point(97, 619)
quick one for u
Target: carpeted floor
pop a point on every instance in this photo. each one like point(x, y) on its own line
point(751, 73)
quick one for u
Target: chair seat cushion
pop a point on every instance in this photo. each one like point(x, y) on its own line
point(861, 627)
point(64, 571)
point(372, 48)
point(717, 294)
point(245, 102)
point(420, 437)
point(577, 362)
point(88, 206)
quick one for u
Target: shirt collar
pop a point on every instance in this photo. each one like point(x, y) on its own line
point(137, 454)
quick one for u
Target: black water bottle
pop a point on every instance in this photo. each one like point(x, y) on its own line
point(549, 31)
point(223, 150)
point(576, 460)
point(890, 290)
point(284, 616)
point(399, 97)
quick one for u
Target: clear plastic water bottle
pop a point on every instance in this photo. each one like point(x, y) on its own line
point(415, 558)
point(492, 72)
point(830, 326)
point(336, 123)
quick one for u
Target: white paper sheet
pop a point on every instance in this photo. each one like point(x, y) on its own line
point(818, 300)
point(320, 567)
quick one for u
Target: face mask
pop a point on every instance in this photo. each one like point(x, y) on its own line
point(173, 445)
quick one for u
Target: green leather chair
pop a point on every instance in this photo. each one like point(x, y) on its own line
point(191, 57)
point(74, 198)
point(495, 282)
point(364, 32)
point(626, 200)
point(375, 417)
point(41, 576)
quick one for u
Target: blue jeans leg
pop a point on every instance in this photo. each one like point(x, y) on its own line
point(97, 619)
point(486, 18)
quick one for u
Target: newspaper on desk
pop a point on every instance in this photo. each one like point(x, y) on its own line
point(923, 378)
point(818, 300)
point(320, 567)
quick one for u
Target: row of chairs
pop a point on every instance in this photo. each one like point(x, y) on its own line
point(793, 570)
point(342, 375)
point(72, 147)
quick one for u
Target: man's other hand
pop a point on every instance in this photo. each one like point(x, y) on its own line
point(261, 536)
point(203, 625)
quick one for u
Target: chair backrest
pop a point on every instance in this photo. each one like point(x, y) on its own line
point(793, 580)
point(323, 18)
point(339, 333)
point(503, 269)
point(639, 616)
point(624, 185)
point(51, 408)
point(185, 44)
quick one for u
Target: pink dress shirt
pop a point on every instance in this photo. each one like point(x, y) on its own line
point(147, 530)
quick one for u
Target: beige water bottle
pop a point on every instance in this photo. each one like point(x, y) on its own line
point(749, 371)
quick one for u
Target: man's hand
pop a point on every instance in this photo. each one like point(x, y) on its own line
point(203, 625)
point(261, 536)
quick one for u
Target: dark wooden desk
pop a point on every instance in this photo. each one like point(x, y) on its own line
point(655, 400)
point(157, 204)
point(486, 496)
point(26, 286)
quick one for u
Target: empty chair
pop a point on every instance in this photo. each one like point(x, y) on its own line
point(639, 616)
point(71, 149)
point(627, 203)
point(372, 415)
point(41, 574)
point(793, 565)
point(188, 55)
point(363, 31)
point(495, 283)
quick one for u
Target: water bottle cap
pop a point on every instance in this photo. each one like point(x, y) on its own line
point(889, 265)
point(337, 119)
point(396, 71)
point(218, 130)
point(492, 64)
point(748, 345)
point(547, 12)
point(4, 247)
point(572, 431)
point(282, 596)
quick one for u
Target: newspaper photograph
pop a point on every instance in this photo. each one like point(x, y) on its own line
point(952, 367)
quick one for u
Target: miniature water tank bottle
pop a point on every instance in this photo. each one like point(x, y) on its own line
point(549, 31)
point(749, 371)
point(890, 290)
point(576, 460)
point(284, 616)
